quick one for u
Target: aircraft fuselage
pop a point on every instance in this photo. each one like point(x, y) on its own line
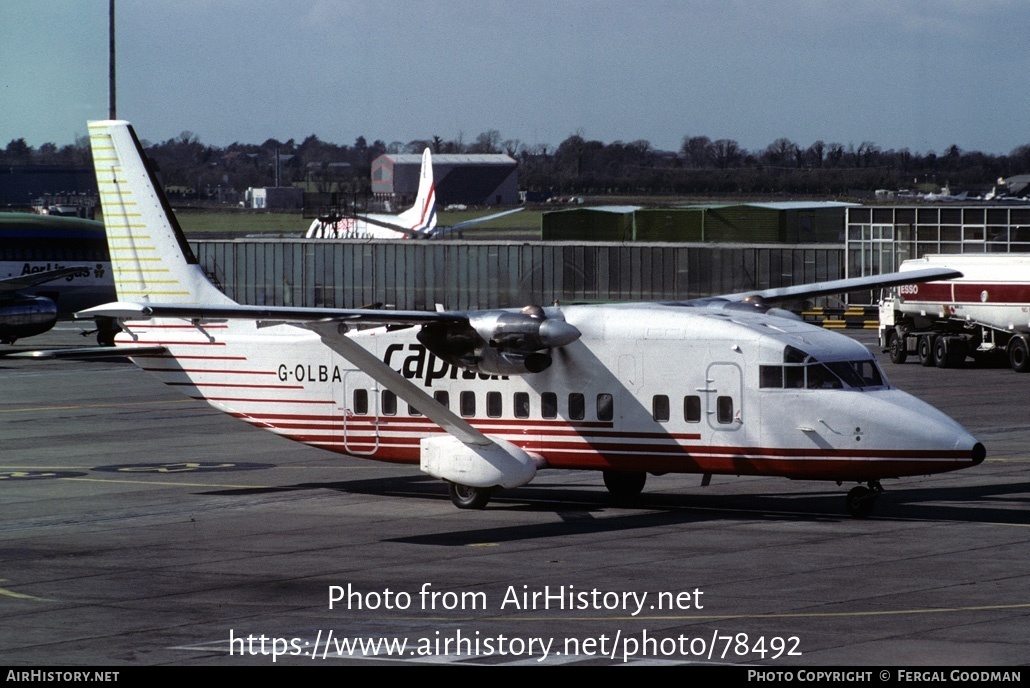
point(646, 388)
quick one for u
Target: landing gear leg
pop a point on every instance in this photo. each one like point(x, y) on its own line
point(107, 328)
point(467, 497)
point(860, 499)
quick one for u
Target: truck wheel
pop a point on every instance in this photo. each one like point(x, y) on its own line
point(940, 352)
point(1019, 353)
point(949, 352)
point(925, 350)
point(897, 348)
point(956, 352)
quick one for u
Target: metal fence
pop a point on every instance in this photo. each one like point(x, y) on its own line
point(418, 275)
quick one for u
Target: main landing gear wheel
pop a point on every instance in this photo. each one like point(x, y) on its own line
point(107, 328)
point(860, 500)
point(467, 497)
point(625, 485)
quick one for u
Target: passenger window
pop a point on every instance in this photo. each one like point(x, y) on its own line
point(468, 404)
point(605, 406)
point(692, 409)
point(549, 405)
point(389, 403)
point(724, 409)
point(412, 411)
point(493, 404)
point(577, 406)
point(521, 405)
point(360, 405)
point(660, 408)
point(442, 398)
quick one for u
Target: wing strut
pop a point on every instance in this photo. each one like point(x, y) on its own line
point(332, 336)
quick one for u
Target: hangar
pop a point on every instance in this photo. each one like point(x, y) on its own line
point(471, 179)
point(24, 186)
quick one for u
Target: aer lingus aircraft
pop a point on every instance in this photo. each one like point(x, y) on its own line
point(485, 399)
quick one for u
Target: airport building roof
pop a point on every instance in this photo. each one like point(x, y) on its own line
point(781, 205)
point(452, 159)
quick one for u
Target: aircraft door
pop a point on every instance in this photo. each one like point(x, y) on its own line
point(358, 402)
point(724, 396)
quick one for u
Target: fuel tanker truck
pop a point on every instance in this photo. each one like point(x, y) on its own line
point(983, 315)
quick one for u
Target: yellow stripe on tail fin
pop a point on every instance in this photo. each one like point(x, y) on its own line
point(151, 260)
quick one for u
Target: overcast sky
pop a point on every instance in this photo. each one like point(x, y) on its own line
point(919, 74)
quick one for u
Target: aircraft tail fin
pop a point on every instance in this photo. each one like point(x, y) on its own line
point(151, 260)
point(421, 217)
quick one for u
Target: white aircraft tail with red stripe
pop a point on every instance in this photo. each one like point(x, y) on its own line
point(421, 217)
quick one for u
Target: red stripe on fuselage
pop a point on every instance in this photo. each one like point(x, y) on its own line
point(398, 442)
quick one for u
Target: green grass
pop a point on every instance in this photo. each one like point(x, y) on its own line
point(197, 223)
point(241, 223)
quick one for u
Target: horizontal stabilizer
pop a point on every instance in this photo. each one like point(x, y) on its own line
point(89, 352)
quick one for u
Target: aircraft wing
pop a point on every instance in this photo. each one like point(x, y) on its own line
point(373, 220)
point(804, 291)
point(416, 234)
point(32, 279)
point(276, 314)
point(475, 221)
point(496, 342)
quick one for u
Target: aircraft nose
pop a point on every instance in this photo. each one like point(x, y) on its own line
point(979, 453)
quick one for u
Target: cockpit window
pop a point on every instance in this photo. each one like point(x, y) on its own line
point(792, 355)
point(857, 373)
point(801, 371)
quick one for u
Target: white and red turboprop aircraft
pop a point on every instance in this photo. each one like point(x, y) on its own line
point(417, 222)
point(483, 399)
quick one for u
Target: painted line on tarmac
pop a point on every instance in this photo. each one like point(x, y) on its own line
point(71, 407)
point(4, 592)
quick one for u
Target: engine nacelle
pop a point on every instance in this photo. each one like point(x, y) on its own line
point(26, 316)
point(495, 362)
point(500, 342)
point(529, 330)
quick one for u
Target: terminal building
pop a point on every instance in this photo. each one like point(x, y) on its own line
point(483, 274)
point(879, 238)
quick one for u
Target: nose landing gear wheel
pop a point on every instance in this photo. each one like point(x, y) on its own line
point(467, 497)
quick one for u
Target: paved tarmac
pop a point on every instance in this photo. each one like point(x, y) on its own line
point(141, 528)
